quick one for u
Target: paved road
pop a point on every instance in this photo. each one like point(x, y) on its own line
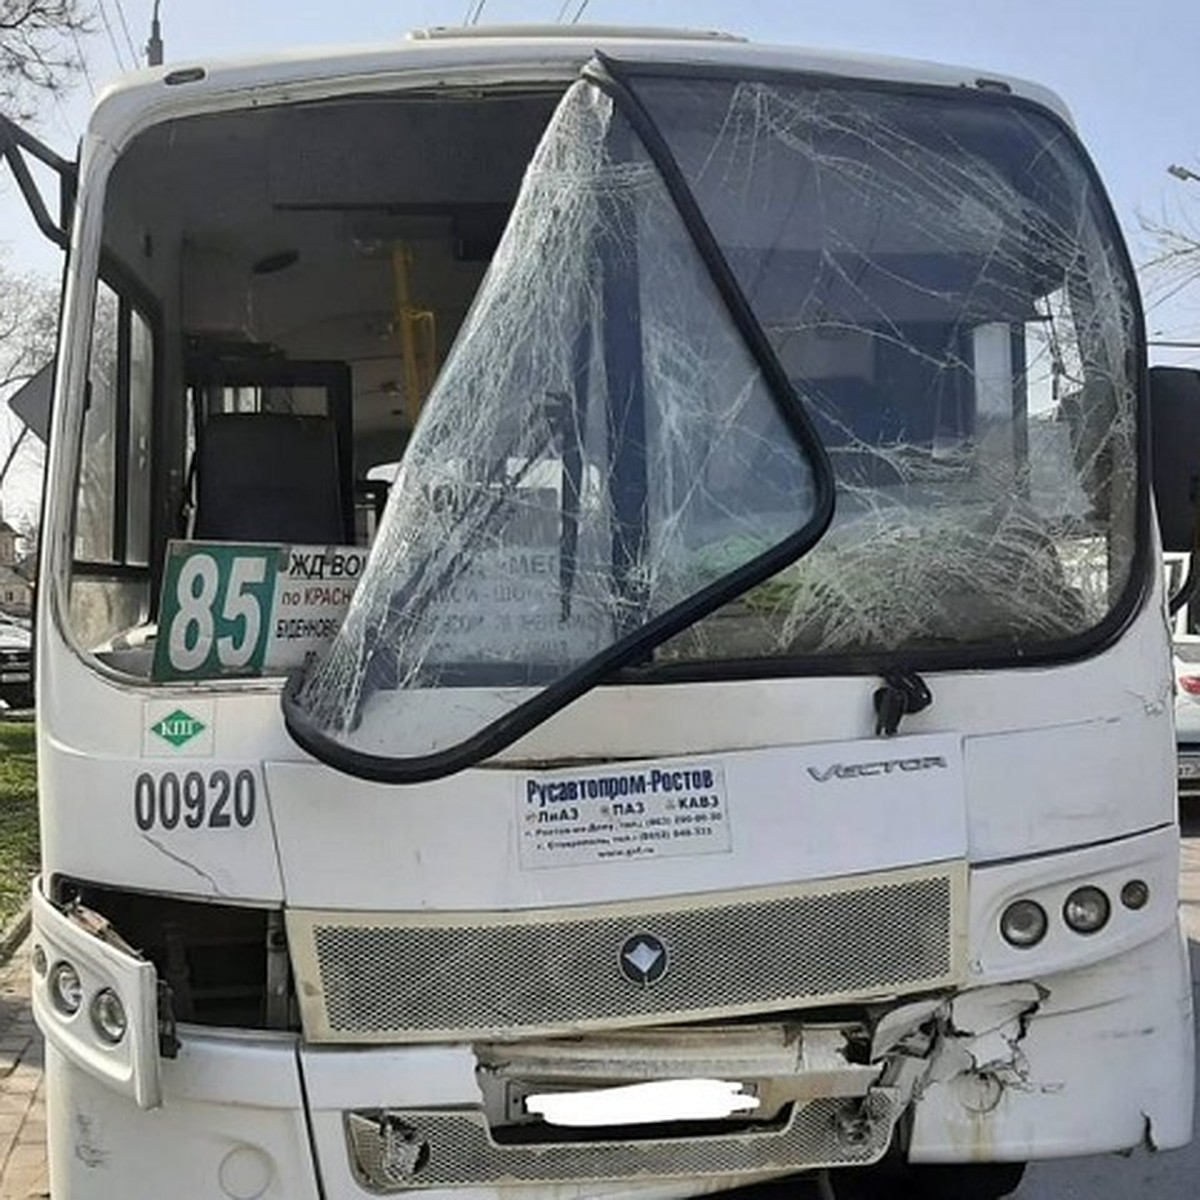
point(22, 1099)
point(1170, 1176)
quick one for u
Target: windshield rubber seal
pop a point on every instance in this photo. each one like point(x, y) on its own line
point(606, 75)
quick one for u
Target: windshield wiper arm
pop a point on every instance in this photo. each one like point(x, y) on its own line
point(903, 693)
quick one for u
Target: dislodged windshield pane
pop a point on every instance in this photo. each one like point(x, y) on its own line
point(938, 278)
point(599, 448)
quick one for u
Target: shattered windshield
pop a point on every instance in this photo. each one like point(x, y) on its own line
point(940, 279)
point(604, 448)
point(610, 470)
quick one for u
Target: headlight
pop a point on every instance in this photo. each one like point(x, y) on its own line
point(1135, 894)
point(66, 991)
point(39, 961)
point(1086, 909)
point(108, 1016)
point(1023, 923)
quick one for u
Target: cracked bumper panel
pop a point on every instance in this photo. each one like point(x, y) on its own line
point(1102, 1061)
point(450, 1150)
point(231, 1124)
point(394, 1120)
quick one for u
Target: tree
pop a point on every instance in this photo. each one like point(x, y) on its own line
point(39, 50)
point(1173, 241)
point(28, 324)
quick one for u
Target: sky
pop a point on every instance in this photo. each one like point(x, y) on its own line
point(1129, 70)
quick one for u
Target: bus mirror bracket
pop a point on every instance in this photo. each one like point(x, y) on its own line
point(17, 145)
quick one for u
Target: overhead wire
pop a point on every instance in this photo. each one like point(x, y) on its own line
point(133, 55)
point(474, 11)
point(579, 12)
point(112, 41)
point(87, 75)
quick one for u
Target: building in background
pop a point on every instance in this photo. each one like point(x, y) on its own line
point(16, 593)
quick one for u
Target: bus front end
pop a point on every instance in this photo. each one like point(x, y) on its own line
point(601, 634)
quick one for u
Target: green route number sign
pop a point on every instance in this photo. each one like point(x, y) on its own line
point(215, 614)
point(229, 611)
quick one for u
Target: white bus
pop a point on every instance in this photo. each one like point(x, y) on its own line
point(733, 743)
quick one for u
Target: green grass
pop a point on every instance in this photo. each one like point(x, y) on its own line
point(18, 816)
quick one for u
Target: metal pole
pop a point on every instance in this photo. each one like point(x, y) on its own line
point(154, 47)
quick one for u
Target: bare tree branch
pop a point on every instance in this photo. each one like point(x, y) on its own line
point(39, 50)
point(1173, 241)
point(28, 326)
point(28, 323)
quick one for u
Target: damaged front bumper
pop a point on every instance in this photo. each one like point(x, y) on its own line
point(1080, 1045)
point(1085, 1062)
point(806, 1097)
point(1079, 1063)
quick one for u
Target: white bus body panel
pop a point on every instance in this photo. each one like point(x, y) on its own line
point(232, 1123)
point(463, 842)
point(340, 840)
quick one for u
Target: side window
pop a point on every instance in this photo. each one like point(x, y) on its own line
point(137, 450)
point(110, 582)
point(94, 525)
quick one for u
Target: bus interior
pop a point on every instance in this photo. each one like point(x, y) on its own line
point(271, 313)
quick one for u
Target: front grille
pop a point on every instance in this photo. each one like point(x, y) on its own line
point(452, 1148)
point(461, 976)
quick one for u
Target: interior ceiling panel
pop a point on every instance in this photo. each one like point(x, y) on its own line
point(403, 152)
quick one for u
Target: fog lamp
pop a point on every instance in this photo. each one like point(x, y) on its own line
point(1023, 923)
point(66, 991)
point(108, 1016)
point(1086, 910)
point(1135, 894)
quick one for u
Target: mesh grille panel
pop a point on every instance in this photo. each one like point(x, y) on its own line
point(456, 1150)
point(415, 979)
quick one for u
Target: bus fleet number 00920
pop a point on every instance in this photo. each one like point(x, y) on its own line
point(197, 799)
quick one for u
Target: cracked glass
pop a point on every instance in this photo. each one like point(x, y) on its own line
point(600, 448)
point(941, 282)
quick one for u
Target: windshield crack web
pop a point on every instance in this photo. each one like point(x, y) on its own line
point(941, 285)
point(600, 447)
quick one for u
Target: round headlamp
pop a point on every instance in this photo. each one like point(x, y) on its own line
point(108, 1016)
point(1023, 923)
point(66, 989)
point(1086, 909)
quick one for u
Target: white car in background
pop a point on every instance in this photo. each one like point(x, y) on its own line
point(16, 662)
point(1185, 635)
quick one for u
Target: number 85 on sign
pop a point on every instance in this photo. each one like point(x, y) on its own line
point(215, 613)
